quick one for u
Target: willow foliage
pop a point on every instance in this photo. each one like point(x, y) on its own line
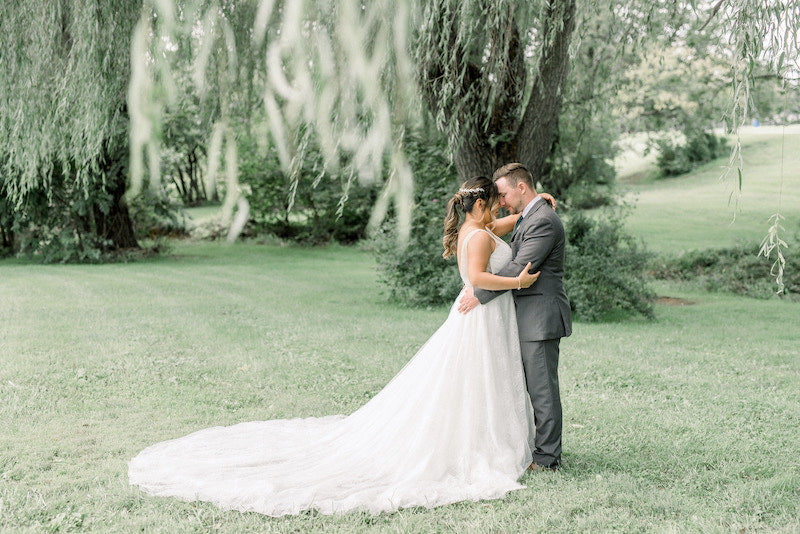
point(337, 70)
point(65, 75)
point(467, 57)
point(349, 75)
point(768, 32)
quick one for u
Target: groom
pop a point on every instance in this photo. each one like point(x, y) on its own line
point(543, 311)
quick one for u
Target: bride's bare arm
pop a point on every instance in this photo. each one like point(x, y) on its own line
point(504, 225)
point(480, 248)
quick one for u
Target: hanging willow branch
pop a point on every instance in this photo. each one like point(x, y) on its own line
point(64, 69)
point(760, 32)
point(338, 69)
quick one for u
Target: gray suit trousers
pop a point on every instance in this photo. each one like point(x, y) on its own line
point(540, 361)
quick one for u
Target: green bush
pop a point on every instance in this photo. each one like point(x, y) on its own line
point(59, 225)
point(157, 215)
point(604, 266)
point(737, 269)
point(581, 174)
point(587, 196)
point(603, 272)
point(417, 274)
point(699, 147)
point(317, 216)
point(66, 231)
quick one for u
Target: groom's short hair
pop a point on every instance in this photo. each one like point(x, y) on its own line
point(514, 173)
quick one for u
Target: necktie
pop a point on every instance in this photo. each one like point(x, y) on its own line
point(519, 221)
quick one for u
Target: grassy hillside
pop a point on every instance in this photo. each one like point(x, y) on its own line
point(694, 212)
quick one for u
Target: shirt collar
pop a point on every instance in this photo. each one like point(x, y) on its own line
point(530, 205)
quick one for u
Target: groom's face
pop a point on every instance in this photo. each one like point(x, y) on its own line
point(510, 197)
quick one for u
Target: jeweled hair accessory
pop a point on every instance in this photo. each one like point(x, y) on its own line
point(470, 191)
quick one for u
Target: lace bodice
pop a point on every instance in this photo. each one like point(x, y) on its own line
point(499, 258)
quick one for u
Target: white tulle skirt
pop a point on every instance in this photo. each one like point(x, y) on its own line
point(454, 424)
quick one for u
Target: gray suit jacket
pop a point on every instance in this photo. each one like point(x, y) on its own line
point(543, 310)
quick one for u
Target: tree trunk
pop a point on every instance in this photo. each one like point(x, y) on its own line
point(7, 241)
point(493, 133)
point(117, 225)
point(180, 182)
point(535, 139)
point(485, 148)
point(473, 158)
point(476, 157)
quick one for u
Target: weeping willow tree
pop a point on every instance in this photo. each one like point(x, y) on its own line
point(493, 74)
point(768, 32)
point(348, 75)
point(64, 123)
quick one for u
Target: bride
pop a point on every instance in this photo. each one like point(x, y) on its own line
point(452, 425)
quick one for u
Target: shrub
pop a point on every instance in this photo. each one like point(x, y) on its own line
point(675, 158)
point(317, 216)
point(739, 270)
point(587, 196)
point(157, 215)
point(60, 226)
point(604, 268)
point(417, 275)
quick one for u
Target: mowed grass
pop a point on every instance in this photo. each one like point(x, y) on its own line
point(699, 210)
point(689, 423)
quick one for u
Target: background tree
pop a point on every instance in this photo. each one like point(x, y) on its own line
point(186, 130)
point(64, 124)
point(503, 80)
point(496, 101)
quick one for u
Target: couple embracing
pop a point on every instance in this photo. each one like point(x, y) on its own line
point(543, 313)
point(464, 419)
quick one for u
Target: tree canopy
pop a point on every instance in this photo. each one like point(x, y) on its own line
point(84, 81)
point(64, 124)
point(65, 77)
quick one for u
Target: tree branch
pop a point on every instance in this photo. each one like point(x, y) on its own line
point(711, 16)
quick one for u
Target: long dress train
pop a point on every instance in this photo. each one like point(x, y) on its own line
point(452, 425)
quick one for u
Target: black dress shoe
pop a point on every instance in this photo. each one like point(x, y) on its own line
point(536, 468)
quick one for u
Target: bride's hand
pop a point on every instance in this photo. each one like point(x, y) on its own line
point(549, 199)
point(526, 279)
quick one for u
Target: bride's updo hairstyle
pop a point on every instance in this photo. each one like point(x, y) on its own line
point(473, 189)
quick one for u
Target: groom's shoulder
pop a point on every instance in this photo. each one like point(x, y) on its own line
point(546, 214)
point(549, 219)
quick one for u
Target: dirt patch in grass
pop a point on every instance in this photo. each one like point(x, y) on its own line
point(673, 301)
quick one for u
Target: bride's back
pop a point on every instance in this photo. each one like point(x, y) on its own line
point(498, 258)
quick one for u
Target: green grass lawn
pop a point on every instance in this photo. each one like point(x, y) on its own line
point(693, 212)
point(689, 423)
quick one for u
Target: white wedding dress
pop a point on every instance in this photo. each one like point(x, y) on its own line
point(452, 425)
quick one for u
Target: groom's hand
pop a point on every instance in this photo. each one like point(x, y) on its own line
point(468, 301)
